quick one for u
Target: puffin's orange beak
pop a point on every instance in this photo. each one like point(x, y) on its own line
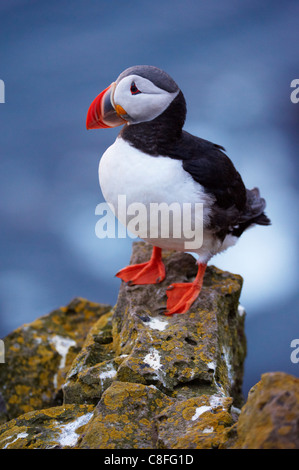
point(102, 113)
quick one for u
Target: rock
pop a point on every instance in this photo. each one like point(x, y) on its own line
point(196, 423)
point(138, 378)
point(56, 427)
point(38, 355)
point(202, 351)
point(132, 378)
point(270, 417)
point(125, 418)
point(94, 368)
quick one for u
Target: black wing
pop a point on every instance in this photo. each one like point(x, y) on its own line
point(211, 168)
point(235, 207)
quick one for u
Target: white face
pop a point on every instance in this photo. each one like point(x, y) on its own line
point(141, 99)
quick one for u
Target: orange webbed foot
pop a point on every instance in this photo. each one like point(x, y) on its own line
point(151, 272)
point(181, 296)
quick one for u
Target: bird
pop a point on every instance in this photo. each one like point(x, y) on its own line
point(154, 160)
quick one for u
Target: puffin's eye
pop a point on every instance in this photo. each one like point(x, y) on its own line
point(134, 90)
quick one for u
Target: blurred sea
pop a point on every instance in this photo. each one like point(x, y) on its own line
point(234, 62)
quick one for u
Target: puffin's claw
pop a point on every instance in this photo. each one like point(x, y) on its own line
point(151, 272)
point(181, 296)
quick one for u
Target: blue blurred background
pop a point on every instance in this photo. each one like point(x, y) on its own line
point(233, 60)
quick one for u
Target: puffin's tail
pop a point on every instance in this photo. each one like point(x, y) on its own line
point(255, 207)
point(254, 213)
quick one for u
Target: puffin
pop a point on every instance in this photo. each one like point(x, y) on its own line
point(155, 161)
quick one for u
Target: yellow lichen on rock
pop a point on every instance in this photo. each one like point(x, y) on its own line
point(155, 381)
point(132, 378)
point(124, 418)
point(38, 355)
point(269, 419)
point(58, 427)
point(199, 422)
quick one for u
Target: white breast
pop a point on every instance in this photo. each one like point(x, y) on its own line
point(141, 178)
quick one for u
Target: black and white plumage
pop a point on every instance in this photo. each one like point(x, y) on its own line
point(154, 160)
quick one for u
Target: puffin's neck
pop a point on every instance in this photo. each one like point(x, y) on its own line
point(156, 137)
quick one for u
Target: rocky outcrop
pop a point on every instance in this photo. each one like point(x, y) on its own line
point(182, 355)
point(270, 418)
point(38, 356)
point(91, 376)
point(56, 427)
